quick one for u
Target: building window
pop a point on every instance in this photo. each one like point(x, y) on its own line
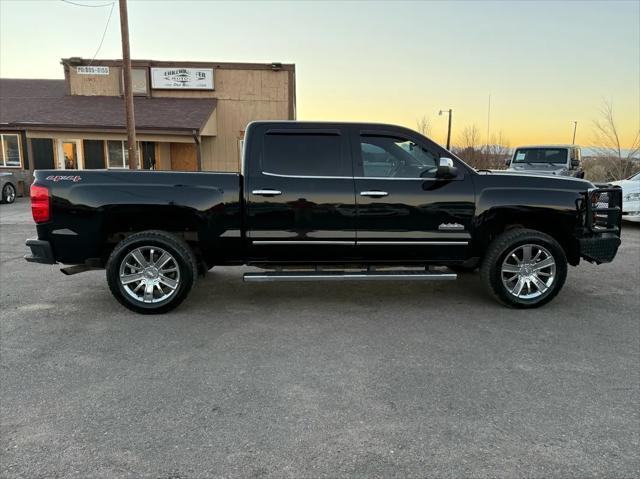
point(139, 83)
point(10, 151)
point(117, 153)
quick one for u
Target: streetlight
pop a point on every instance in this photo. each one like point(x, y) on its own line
point(449, 111)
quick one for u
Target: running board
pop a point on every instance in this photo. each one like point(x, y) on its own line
point(348, 276)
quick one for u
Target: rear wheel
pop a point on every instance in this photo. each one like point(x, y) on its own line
point(151, 272)
point(524, 268)
point(8, 193)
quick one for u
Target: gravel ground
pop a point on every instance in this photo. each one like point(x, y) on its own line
point(316, 380)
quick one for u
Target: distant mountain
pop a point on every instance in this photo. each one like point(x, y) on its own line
point(591, 151)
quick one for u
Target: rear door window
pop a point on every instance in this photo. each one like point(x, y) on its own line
point(305, 154)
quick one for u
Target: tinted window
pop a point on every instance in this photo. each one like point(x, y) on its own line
point(540, 155)
point(303, 154)
point(93, 151)
point(391, 157)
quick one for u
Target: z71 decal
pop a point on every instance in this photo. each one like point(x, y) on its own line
point(56, 178)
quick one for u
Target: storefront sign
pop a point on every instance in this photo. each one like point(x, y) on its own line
point(182, 78)
point(92, 70)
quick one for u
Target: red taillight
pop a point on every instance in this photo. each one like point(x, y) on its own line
point(40, 204)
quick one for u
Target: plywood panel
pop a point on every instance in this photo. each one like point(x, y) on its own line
point(239, 85)
point(91, 85)
point(184, 157)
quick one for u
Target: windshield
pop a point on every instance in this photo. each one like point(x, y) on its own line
point(540, 155)
point(635, 177)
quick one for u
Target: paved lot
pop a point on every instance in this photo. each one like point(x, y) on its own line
point(317, 380)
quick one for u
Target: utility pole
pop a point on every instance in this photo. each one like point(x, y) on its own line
point(575, 127)
point(488, 122)
point(128, 93)
point(450, 112)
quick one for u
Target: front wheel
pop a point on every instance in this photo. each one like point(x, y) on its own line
point(8, 193)
point(524, 268)
point(151, 272)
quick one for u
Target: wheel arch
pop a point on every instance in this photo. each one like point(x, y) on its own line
point(187, 223)
point(557, 224)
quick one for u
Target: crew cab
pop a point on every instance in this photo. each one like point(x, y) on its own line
point(563, 160)
point(324, 201)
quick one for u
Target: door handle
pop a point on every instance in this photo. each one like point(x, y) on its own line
point(374, 194)
point(267, 192)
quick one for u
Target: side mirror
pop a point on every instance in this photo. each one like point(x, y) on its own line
point(446, 169)
point(507, 162)
point(575, 163)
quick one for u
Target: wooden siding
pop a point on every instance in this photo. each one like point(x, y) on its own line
point(92, 85)
point(239, 85)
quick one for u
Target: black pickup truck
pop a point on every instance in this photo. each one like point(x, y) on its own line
point(324, 201)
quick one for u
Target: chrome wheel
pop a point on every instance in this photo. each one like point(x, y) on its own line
point(9, 193)
point(149, 274)
point(528, 271)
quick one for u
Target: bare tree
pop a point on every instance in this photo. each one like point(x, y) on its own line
point(468, 146)
point(469, 138)
point(609, 149)
point(424, 126)
point(497, 151)
point(491, 156)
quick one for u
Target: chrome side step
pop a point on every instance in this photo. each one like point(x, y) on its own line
point(348, 276)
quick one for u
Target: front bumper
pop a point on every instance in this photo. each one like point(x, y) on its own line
point(601, 208)
point(40, 252)
point(600, 248)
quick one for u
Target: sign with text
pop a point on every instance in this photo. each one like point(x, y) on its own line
point(182, 78)
point(92, 70)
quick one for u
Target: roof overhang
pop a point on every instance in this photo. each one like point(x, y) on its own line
point(96, 129)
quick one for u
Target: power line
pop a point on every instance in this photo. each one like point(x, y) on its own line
point(103, 34)
point(85, 5)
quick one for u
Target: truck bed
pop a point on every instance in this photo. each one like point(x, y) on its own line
point(89, 205)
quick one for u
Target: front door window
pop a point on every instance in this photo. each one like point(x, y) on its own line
point(390, 157)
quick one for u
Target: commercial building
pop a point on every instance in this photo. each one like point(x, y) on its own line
point(189, 116)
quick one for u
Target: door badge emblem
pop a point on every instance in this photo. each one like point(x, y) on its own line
point(451, 227)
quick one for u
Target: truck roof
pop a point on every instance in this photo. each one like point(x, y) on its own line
point(548, 146)
point(328, 122)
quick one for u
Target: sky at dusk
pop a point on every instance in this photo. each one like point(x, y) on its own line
point(545, 64)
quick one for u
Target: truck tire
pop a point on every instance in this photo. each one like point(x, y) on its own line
point(524, 268)
point(151, 272)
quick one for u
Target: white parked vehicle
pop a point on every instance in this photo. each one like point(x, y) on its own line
point(562, 160)
point(630, 198)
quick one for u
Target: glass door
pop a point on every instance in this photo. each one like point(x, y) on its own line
point(69, 155)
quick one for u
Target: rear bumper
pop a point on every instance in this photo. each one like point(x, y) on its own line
point(599, 248)
point(40, 252)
